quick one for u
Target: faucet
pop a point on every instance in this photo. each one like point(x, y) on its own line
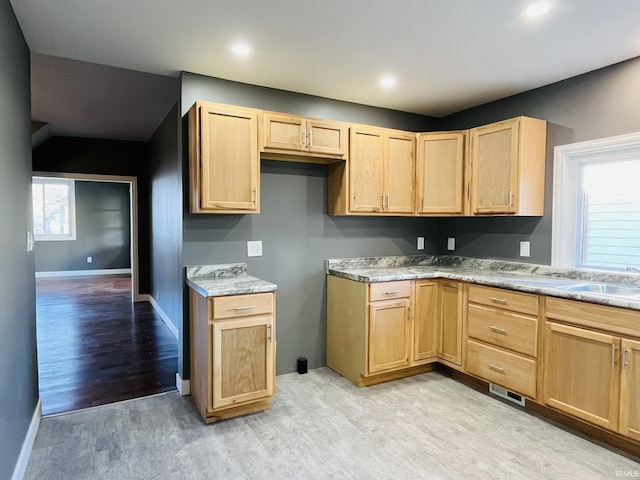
point(632, 269)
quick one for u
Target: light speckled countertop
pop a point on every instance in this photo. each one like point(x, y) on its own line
point(525, 277)
point(225, 279)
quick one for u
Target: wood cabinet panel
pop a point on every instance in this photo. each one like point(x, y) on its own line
point(506, 299)
point(630, 389)
point(450, 312)
point(234, 306)
point(504, 329)
point(425, 321)
point(283, 132)
point(389, 335)
point(328, 138)
point(366, 166)
point(389, 290)
point(399, 173)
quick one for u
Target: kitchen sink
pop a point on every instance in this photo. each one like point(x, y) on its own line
point(607, 289)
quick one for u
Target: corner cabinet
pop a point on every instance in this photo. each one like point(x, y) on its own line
point(224, 162)
point(450, 315)
point(507, 163)
point(232, 353)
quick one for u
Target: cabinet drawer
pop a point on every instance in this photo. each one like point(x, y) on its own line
point(504, 329)
point(506, 369)
point(389, 290)
point(241, 305)
point(507, 299)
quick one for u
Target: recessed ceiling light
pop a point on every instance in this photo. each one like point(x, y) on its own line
point(241, 49)
point(387, 82)
point(537, 9)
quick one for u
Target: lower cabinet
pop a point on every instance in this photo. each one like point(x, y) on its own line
point(232, 354)
point(630, 389)
point(450, 308)
point(389, 335)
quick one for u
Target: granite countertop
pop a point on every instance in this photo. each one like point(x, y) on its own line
point(525, 277)
point(225, 279)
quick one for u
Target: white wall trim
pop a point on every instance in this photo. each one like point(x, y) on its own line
point(27, 445)
point(183, 386)
point(84, 273)
point(566, 162)
point(165, 318)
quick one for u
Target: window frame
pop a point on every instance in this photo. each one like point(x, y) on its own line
point(566, 182)
point(71, 184)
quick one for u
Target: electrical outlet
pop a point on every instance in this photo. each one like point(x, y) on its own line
point(158, 296)
point(525, 249)
point(30, 241)
point(420, 243)
point(89, 259)
point(254, 248)
point(451, 243)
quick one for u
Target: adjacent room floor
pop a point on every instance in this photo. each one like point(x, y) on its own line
point(95, 346)
point(321, 426)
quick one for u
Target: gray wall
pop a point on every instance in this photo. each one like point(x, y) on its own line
point(598, 104)
point(103, 231)
point(18, 363)
point(296, 232)
point(165, 172)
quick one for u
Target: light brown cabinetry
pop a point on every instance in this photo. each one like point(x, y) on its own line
point(507, 164)
point(426, 326)
point(232, 353)
point(381, 171)
point(502, 334)
point(389, 335)
point(224, 166)
point(591, 364)
point(290, 134)
point(440, 173)
point(450, 318)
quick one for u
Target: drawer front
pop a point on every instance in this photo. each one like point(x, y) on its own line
point(389, 290)
point(507, 299)
point(506, 369)
point(504, 329)
point(241, 305)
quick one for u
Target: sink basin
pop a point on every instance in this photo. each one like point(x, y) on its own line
point(607, 289)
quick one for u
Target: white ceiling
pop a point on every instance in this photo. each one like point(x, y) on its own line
point(446, 55)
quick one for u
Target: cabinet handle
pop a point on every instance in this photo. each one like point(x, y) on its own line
point(497, 329)
point(304, 138)
point(392, 292)
point(421, 202)
point(497, 300)
point(387, 200)
point(495, 367)
point(255, 195)
point(613, 355)
point(510, 199)
point(310, 143)
point(248, 307)
point(269, 332)
point(382, 201)
point(624, 357)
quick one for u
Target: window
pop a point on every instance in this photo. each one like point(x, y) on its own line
point(54, 212)
point(596, 206)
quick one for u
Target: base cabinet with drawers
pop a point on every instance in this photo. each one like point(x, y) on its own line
point(233, 350)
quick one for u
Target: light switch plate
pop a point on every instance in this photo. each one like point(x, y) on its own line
point(525, 249)
point(420, 243)
point(451, 243)
point(254, 248)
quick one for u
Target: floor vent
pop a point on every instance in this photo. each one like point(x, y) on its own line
point(506, 394)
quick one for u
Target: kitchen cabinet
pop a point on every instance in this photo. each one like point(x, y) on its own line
point(425, 321)
point(507, 165)
point(450, 317)
point(224, 163)
point(381, 171)
point(306, 137)
point(232, 353)
point(440, 173)
point(389, 335)
point(591, 364)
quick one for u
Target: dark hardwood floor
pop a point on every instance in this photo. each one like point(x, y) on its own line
point(96, 347)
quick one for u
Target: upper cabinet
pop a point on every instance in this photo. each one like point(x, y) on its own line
point(507, 163)
point(381, 171)
point(440, 173)
point(224, 165)
point(303, 137)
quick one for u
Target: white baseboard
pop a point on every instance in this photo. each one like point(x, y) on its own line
point(183, 386)
point(27, 445)
point(163, 315)
point(84, 273)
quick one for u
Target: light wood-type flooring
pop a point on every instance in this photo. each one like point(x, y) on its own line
point(96, 347)
point(321, 426)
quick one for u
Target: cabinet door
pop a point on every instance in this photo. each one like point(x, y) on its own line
point(399, 172)
point(450, 312)
point(366, 169)
point(425, 324)
point(283, 132)
point(242, 360)
point(229, 166)
point(440, 173)
point(389, 335)
point(328, 138)
point(494, 165)
point(630, 390)
point(581, 374)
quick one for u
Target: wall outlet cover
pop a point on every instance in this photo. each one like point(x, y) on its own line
point(451, 243)
point(254, 248)
point(525, 249)
point(89, 259)
point(420, 243)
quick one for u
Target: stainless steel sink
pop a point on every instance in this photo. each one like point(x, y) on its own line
point(607, 289)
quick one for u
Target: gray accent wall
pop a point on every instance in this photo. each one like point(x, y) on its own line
point(595, 105)
point(18, 361)
point(296, 232)
point(103, 231)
